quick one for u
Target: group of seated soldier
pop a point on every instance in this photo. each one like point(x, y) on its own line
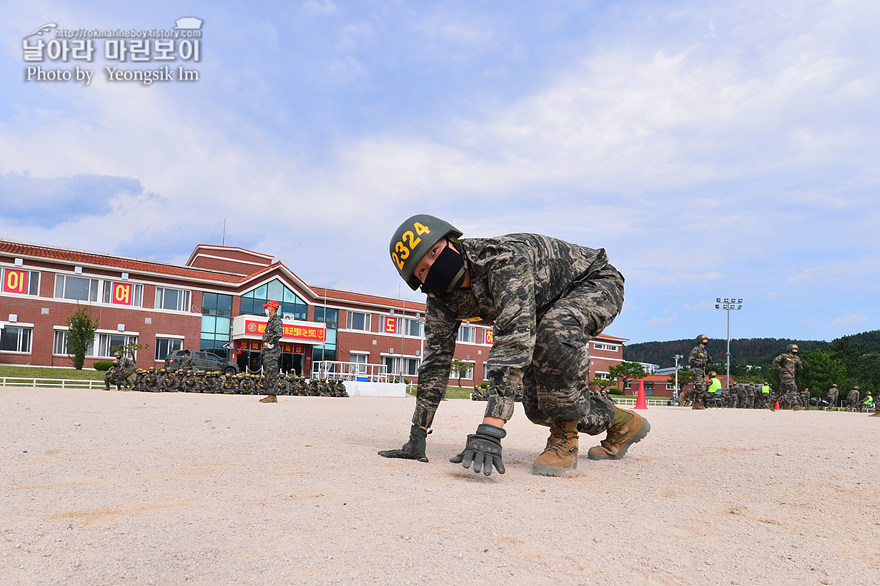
point(159, 380)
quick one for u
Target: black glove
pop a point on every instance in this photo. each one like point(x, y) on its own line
point(483, 449)
point(414, 449)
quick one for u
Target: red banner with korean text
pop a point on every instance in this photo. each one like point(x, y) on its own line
point(121, 293)
point(389, 324)
point(15, 281)
point(309, 333)
point(490, 336)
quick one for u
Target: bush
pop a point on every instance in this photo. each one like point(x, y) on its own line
point(485, 385)
point(615, 391)
point(103, 364)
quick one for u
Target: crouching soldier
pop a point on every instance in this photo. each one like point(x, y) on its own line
point(545, 299)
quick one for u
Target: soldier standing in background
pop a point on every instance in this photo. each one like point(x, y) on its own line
point(807, 398)
point(545, 298)
point(852, 399)
point(699, 360)
point(271, 350)
point(831, 397)
point(788, 364)
point(186, 361)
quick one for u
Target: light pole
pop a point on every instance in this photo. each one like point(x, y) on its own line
point(677, 392)
point(728, 304)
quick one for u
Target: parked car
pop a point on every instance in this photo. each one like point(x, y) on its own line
point(202, 361)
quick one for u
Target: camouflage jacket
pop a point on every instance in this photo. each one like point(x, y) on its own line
point(699, 358)
point(514, 279)
point(274, 331)
point(787, 364)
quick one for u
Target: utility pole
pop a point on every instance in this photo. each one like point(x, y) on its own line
point(677, 390)
point(729, 304)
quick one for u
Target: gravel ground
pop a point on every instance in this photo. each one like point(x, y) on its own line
point(133, 488)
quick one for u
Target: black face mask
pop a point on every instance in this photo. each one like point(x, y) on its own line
point(446, 273)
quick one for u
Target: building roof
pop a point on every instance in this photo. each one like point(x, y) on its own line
point(353, 297)
point(112, 262)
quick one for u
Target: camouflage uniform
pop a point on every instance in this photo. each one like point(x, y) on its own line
point(271, 357)
point(852, 400)
point(545, 298)
point(831, 397)
point(698, 361)
point(788, 364)
point(186, 362)
point(150, 380)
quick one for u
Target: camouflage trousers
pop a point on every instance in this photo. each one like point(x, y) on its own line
point(270, 369)
point(555, 383)
point(699, 394)
point(788, 394)
point(832, 400)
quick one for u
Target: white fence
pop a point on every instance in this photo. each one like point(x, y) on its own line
point(18, 381)
point(354, 371)
point(629, 401)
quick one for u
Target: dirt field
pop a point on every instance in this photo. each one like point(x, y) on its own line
point(132, 488)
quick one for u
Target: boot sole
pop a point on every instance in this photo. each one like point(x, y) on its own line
point(634, 439)
point(539, 470)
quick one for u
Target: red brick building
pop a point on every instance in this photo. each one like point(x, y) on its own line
point(214, 303)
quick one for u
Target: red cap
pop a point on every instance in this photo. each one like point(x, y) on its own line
point(272, 303)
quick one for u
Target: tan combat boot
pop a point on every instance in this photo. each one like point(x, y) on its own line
point(561, 453)
point(698, 404)
point(876, 413)
point(269, 399)
point(627, 428)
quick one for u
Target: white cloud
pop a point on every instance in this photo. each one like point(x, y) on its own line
point(850, 319)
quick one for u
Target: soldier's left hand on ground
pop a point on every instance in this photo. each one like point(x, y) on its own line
point(414, 449)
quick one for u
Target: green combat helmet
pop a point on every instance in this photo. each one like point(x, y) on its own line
point(791, 347)
point(413, 239)
point(702, 337)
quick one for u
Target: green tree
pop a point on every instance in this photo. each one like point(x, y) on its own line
point(602, 383)
point(627, 371)
point(81, 332)
point(460, 367)
point(684, 377)
point(821, 371)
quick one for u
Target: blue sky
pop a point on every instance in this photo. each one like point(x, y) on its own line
point(713, 149)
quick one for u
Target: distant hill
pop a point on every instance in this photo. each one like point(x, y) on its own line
point(754, 351)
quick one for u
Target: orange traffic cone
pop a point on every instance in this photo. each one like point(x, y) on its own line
point(641, 403)
point(777, 406)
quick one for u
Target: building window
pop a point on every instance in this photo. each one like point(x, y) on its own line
point(165, 346)
point(217, 304)
point(110, 343)
point(292, 307)
point(21, 281)
point(216, 323)
point(327, 350)
point(332, 320)
point(397, 365)
point(77, 288)
point(59, 345)
point(467, 334)
point(355, 320)
point(360, 360)
point(603, 375)
point(608, 347)
point(15, 339)
point(411, 327)
point(173, 299)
